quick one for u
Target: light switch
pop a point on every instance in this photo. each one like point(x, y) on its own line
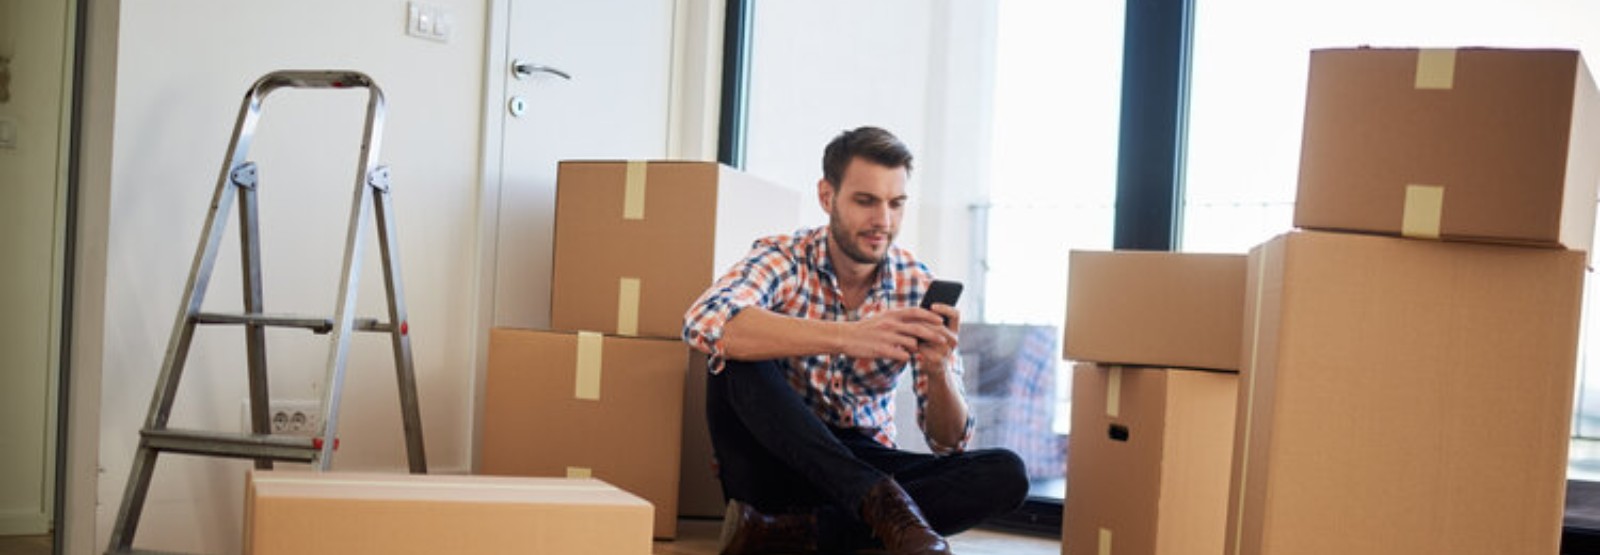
point(442, 25)
point(425, 21)
point(8, 133)
point(428, 21)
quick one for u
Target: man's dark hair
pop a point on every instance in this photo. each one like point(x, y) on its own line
point(874, 144)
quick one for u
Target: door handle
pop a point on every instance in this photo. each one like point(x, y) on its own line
point(522, 70)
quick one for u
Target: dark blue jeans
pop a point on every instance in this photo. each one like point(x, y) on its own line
point(774, 454)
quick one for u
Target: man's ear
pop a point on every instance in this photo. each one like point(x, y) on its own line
point(825, 194)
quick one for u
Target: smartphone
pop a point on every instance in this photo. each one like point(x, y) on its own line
point(942, 292)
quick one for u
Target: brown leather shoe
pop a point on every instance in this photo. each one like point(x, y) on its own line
point(746, 531)
point(897, 522)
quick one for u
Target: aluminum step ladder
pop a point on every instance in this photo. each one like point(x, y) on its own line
point(239, 179)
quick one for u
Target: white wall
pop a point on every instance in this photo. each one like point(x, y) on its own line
point(35, 36)
point(181, 69)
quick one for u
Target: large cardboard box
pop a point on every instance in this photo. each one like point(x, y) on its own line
point(1148, 464)
point(583, 404)
point(1404, 397)
point(1472, 144)
point(637, 242)
point(350, 513)
point(1155, 308)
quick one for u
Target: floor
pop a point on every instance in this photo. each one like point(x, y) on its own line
point(24, 545)
point(699, 537)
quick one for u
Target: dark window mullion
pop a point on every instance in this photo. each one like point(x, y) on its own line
point(737, 28)
point(1157, 42)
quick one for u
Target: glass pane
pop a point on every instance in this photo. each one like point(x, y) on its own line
point(1247, 107)
point(1058, 76)
point(1012, 110)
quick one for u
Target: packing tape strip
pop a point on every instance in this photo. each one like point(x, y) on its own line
point(1436, 68)
point(1249, 401)
point(487, 485)
point(579, 472)
point(628, 306)
point(587, 384)
point(633, 191)
point(1105, 542)
point(1424, 207)
point(1114, 392)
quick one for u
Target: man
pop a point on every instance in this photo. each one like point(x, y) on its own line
point(807, 337)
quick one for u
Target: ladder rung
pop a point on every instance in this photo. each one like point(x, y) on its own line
point(143, 552)
point(249, 446)
point(313, 323)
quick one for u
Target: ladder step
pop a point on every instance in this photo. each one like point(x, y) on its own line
point(316, 324)
point(241, 446)
point(143, 552)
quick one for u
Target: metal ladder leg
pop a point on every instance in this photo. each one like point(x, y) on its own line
point(254, 333)
point(401, 334)
point(166, 390)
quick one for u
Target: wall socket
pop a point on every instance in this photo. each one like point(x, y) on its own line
point(294, 417)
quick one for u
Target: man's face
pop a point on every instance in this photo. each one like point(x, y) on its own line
point(864, 214)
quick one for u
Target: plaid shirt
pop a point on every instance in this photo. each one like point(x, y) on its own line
point(793, 275)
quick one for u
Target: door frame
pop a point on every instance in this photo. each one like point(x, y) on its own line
point(692, 124)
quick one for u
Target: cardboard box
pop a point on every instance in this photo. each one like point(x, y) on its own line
point(1404, 397)
point(1155, 308)
point(1148, 464)
point(699, 489)
point(1473, 144)
point(636, 243)
point(350, 513)
point(581, 404)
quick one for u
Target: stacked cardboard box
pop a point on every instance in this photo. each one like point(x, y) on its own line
point(350, 513)
point(1157, 336)
point(603, 392)
point(1402, 395)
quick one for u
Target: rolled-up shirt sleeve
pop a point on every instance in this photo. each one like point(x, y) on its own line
point(920, 387)
point(754, 281)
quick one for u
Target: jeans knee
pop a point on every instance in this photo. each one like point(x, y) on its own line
point(1009, 477)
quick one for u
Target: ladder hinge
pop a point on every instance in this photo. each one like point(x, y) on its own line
point(379, 179)
point(244, 175)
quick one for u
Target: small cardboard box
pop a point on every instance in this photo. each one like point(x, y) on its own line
point(582, 404)
point(637, 242)
point(1148, 464)
point(1404, 397)
point(1474, 144)
point(350, 513)
point(1155, 308)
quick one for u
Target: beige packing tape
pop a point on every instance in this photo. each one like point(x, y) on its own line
point(1105, 542)
point(579, 472)
point(1424, 207)
point(1114, 392)
point(1436, 68)
point(587, 384)
point(633, 191)
point(1249, 401)
point(628, 306)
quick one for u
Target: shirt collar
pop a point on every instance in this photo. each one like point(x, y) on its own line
point(824, 263)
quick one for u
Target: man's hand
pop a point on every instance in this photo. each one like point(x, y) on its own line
point(933, 355)
point(902, 333)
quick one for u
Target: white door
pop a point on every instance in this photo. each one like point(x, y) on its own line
point(615, 106)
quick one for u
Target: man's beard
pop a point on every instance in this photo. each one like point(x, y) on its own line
point(846, 242)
